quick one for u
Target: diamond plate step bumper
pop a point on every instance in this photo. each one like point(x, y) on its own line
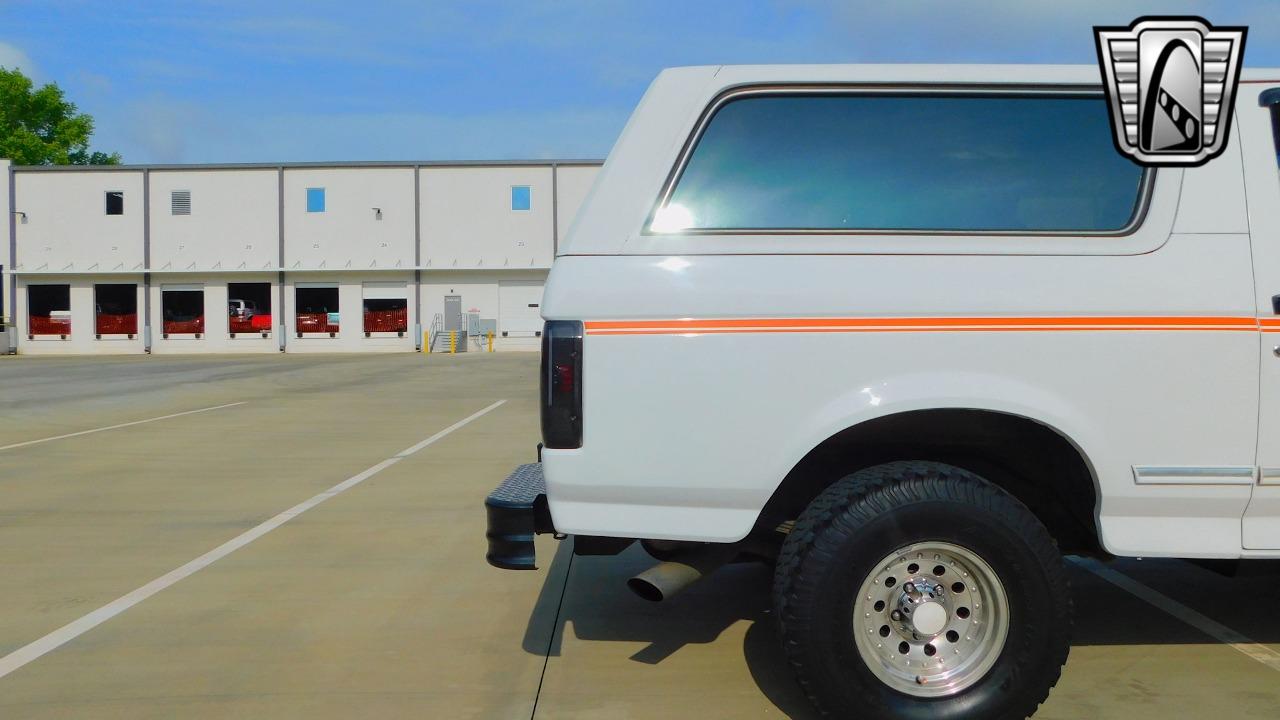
point(517, 511)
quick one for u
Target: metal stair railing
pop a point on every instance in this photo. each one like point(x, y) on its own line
point(434, 334)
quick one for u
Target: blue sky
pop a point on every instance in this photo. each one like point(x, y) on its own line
point(279, 80)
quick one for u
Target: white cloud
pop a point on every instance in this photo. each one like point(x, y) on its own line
point(1015, 30)
point(160, 130)
point(153, 129)
point(562, 132)
point(12, 57)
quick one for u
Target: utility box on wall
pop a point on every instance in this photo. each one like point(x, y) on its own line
point(485, 326)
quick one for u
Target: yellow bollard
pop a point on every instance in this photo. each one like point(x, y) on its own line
point(490, 341)
point(453, 341)
point(426, 342)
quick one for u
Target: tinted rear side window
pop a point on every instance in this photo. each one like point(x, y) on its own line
point(906, 163)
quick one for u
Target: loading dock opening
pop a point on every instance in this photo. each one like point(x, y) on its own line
point(249, 308)
point(48, 311)
point(386, 309)
point(115, 310)
point(182, 309)
point(318, 311)
point(386, 316)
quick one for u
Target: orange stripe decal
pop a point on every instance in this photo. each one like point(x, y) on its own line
point(695, 326)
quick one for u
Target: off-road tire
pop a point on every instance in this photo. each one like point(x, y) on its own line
point(870, 514)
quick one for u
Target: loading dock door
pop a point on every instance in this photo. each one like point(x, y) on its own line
point(455, 320)
point(48, 311)
point(386, 308)
point(520, 308)
point(115, 310)
point(249, 308)
point(317, 311)
point(182, 310)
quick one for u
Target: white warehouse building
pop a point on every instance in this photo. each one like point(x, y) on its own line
point(301, 257)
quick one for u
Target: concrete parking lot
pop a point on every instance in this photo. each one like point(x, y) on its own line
point(374, 600)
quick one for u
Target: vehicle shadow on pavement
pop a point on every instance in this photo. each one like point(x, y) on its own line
point(591, 597)
point(1108, 615)
point(596, 604)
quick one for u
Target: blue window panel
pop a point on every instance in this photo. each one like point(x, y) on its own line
point(907, 163)
point(315, 200)
point(520, 197)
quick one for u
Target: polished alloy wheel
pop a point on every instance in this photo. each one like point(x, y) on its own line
point(931, 619)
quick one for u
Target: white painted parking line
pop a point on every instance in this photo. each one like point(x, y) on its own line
point(1204, 624)
point(80, 626)
point(117, 427)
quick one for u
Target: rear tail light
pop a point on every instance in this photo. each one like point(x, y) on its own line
point(561, 384)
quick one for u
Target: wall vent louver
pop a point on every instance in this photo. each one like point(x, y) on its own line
point(180, 202)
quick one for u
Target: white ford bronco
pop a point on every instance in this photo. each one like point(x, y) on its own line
point(912, 333)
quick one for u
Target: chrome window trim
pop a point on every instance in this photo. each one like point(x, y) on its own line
point(1142, 204)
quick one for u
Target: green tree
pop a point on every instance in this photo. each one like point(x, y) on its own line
point(41, 127)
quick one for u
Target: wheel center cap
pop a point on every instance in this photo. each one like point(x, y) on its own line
point(929, 618)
